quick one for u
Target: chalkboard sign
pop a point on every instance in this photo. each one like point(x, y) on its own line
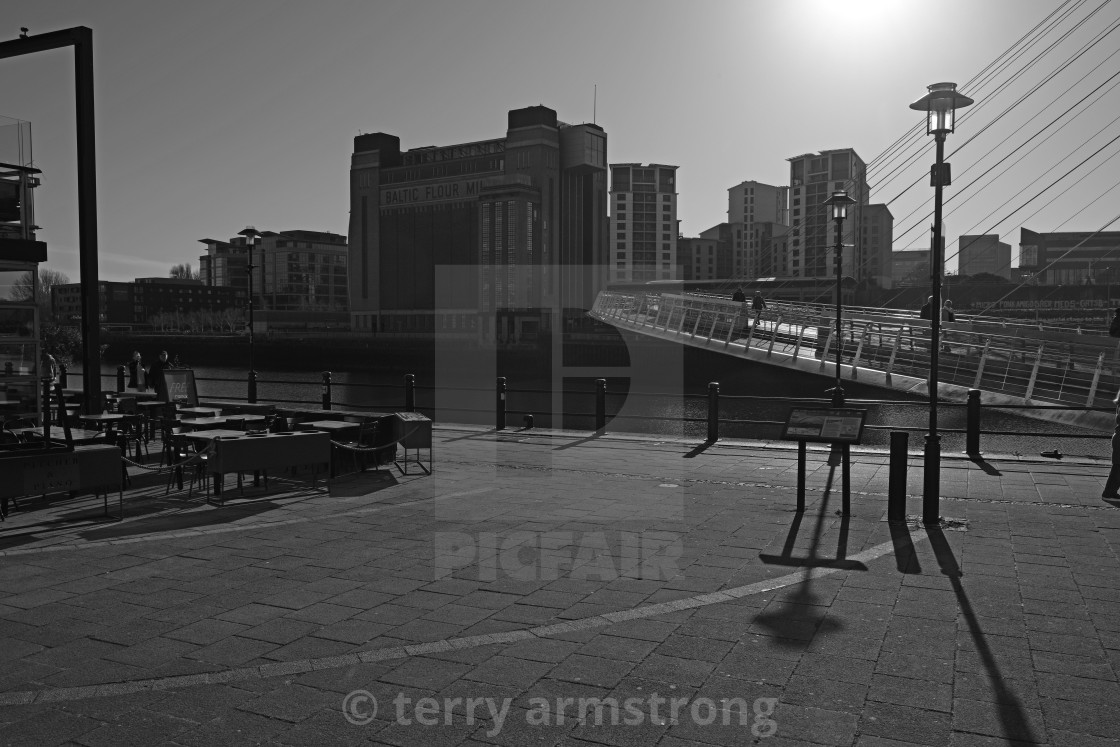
point(180, 385)
point(831, 425)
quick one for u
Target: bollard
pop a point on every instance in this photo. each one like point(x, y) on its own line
point(62, 375)
point(528, 421)
point(326, 390)
point(500, 404)
point(252, 387)
point(120, 378)
point(410, 392)
point(972, 424)
point(896, 482)
point(600, 405)
point(713, 411)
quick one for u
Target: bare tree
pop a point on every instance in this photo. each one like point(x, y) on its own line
point(184, 272)
point(23, 289)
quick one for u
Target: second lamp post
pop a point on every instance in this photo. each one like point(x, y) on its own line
point(839, 203)
point(251, 238)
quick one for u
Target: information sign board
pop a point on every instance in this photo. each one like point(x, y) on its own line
point(827, 425)
point(181, 388)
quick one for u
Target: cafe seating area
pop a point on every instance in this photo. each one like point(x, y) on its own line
point(193, 449)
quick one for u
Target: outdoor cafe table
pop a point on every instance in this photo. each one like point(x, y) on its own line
point(148, 407)
point(333, 427)
point(77, 435)
point(198, 412)
point(336, 415)
point(101, 418)
point(199, 424)
point(268, 451)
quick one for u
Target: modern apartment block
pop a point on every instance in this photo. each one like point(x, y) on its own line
point(876, 238)
point(299, 277)
point(812, 238)
point(1070, 258)
point(707, 257)
point(749, 204)
point(482, 212)
point(643, 224)
point(137, 304)
point(985, 253)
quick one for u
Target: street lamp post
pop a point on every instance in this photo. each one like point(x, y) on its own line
point(251, 237)
point(940, 105)
point(839, 203)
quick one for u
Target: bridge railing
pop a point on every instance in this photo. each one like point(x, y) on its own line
point(1024, 361)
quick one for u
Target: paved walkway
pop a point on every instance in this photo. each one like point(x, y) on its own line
point(553, 589)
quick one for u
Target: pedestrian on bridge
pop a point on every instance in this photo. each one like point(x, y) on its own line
point(758, 305)
point(1114, 328)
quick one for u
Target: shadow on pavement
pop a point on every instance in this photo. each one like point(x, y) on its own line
point(984, 465)
point(181, 521)
point(1011, 714)
point(905, 556)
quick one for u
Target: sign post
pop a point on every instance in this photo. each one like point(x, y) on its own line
point(833, 425)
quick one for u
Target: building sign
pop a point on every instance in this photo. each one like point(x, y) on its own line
point(435, 155)
point(466, 189)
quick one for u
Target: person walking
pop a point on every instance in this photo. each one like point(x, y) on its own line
point(927, 309)
point(947, 315)
point(155, 376)
point(136, 374)
point(1112, 484)
point(1114, 328)
point(758, 305)
point(738, 296)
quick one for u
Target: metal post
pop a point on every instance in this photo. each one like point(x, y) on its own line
point(713, 411)
point(252, 368)
point(846, 476)
point(801, 475)
point(326, 390)
point(931, 512)
point(410, 392)
point(252, 387)
point(896, 482)
point(972, 427)
point(120, 378)
point(500, 404)
point(600, 405)
point(838, 391)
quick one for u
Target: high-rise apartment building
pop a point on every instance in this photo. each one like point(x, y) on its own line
point(483, 212)
point(876, 238)
point(707, 257)
point(748, 204)
point(643, 226)
point(812, 238)
point(984, 253)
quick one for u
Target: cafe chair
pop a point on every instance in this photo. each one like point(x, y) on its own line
point(181, 450)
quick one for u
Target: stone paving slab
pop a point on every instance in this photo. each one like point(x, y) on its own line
point(549, 588)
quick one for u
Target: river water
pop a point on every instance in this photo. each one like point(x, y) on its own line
point(751, 405)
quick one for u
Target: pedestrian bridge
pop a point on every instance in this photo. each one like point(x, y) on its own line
point(1012, 363)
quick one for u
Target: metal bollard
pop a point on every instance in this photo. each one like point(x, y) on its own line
point(713, 411)
point(972, 423)
point(252, 387)
point(896, 482)
point(62, 375)
point(528, 421)
point(410, 392)
point(600, 405)
point(326, 390)
point(500, 404)
point(120, 378)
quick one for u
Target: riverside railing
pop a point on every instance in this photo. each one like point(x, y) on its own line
point(509, 401)
point(1028, 361)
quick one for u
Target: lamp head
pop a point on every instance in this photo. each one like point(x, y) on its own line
point(251, 235)
point(839, 203)
point(939, 105)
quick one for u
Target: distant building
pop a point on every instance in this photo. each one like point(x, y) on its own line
point(984, 253)
point(750, 203)
point(768, 244)
point(643, 224)
point(813, 179)
point(1070, 258)
point(910, 267)
point(147, 302)
point(299, 277)
point(707, 257)
point(876, 238)
point(536, 197)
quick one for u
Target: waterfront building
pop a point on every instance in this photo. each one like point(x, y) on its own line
point(984, 253)
point(707, 257)
point(876, 238)
point(440, 237)
point(812, 237)
point(1070, 258)
point(153, 303)
point(299, 277)
point(750, 203)
point(643, 230)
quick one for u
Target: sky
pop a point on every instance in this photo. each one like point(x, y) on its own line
point(215, 115)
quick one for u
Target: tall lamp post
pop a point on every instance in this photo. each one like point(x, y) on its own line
point(839, 203)
point(940, 105)
point(251, 238)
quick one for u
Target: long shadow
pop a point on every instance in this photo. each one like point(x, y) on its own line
point(984, 465)
point(580, 442)
point(699, 449)
point(181, 521)
point(1010, 709)
point(785, 620)
point(905, 556)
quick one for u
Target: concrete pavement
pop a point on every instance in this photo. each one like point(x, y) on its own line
point(549, 588)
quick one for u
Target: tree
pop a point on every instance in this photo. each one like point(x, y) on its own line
point(23, 290)
point(184, 272)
